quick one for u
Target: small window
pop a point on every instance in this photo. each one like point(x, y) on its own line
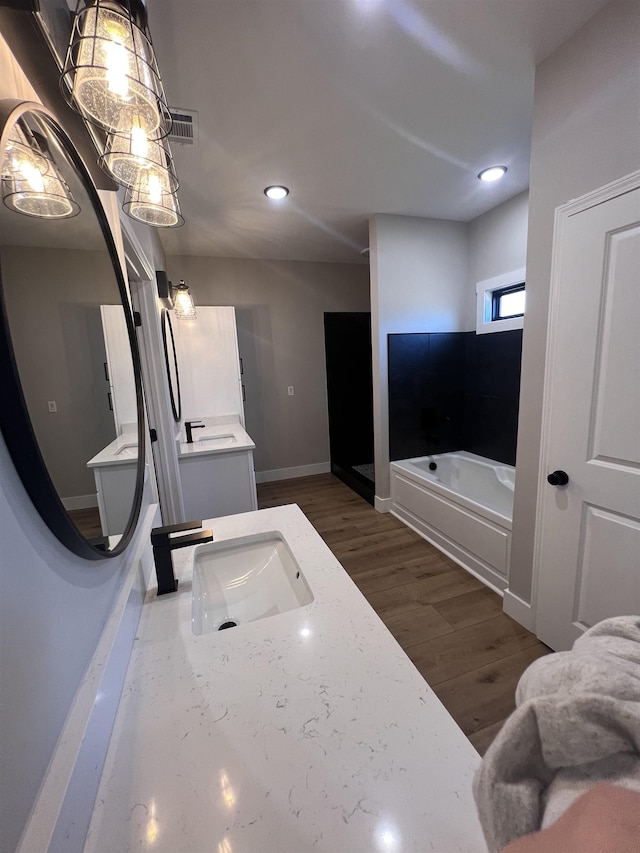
point(500, 302)
point(508, 302)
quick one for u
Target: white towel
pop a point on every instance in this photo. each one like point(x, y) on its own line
point(577, 722)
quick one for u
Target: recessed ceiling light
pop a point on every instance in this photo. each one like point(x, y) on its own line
point(493, 173)
point(276, 193)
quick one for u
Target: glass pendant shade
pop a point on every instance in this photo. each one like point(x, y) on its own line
point(152, 200)
point(31, 183)
point(22, 149)
point(127, 155)
point(183, 303)
point(110, 70)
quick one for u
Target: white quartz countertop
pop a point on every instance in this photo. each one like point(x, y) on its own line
point(122, 450)
point(217, 438)
point(309, 730)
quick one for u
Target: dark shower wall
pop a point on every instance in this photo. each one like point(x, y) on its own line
point(454, 391)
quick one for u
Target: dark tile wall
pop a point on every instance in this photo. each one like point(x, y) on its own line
point(426, 393)
point(454, 391)
point(492, 391)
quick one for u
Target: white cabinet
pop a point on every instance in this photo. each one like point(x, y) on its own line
point(122, 386)
point(115, 486)
point(216, 473)
point(115, 470)
point(209, 364)
point(218, 484)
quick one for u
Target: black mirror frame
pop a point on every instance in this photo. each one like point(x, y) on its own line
point(15, 423)
point(176, 406)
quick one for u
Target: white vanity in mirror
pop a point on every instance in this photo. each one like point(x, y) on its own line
point(115, 466)
point(115, 469)
point(216, 467)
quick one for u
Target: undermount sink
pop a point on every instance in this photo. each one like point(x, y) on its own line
point(130, 450)
point(216, 440)
point(243, 580)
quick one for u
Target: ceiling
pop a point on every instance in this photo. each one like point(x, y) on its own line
point(358, 106)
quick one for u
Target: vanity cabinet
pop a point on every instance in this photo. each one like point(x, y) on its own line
point(115, 473)
point(114, 485)
point(216, 470)
point(216, 484)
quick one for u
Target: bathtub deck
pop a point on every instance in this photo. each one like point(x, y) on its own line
point(449, 624)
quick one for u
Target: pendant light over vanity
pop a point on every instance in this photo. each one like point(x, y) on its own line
point(111, 78)
point(183, 302)
point(31, 183)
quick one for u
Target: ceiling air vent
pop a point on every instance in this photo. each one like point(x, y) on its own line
point(184, 130)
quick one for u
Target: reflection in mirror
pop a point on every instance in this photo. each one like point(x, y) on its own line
point(171, 361)
point(76, 367)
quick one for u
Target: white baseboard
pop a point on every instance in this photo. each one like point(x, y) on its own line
point(61, 815)
point(80, 502)
point(382, 504)
point(519, 610)
point(293, 473)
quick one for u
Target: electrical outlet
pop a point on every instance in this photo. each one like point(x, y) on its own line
point(52, 405)
point(290, 390)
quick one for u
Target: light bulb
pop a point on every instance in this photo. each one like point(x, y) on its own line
point(184, 303)
point(117, 68)
point(32, 176)
point(139, 143)
point(154, 188)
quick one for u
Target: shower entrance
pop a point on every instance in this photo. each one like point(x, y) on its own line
point(347, 338)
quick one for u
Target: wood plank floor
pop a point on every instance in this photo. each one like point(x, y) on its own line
point(449, 624)
point(87, 521)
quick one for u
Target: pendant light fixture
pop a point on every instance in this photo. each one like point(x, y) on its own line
point(127, 155)
point(183, 302)
point(110, 73)
point(31, 182)
point(152, 200)
point(111, 77)
point(145, 167)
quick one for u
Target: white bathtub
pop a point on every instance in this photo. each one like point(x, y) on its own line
point(464, 508)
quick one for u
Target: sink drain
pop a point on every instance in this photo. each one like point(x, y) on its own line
point(227, 625)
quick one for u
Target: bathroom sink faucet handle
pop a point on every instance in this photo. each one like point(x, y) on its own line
point(163, 545)
point(189, 427)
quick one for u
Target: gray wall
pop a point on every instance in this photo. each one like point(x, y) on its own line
point(419, 282)
point(279, 308)
point(52, 610)
point(585, 134)
point(497, 245)
point(53, 298)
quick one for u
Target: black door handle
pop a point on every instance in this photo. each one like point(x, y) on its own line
point(558, 478)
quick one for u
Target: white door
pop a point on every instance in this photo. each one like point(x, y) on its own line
point(588, 540)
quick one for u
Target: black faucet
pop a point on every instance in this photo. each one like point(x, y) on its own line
point(189, 427)
point(163, 546)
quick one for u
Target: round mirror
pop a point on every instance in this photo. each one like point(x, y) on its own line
point(171, 361)
point(71, 412)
